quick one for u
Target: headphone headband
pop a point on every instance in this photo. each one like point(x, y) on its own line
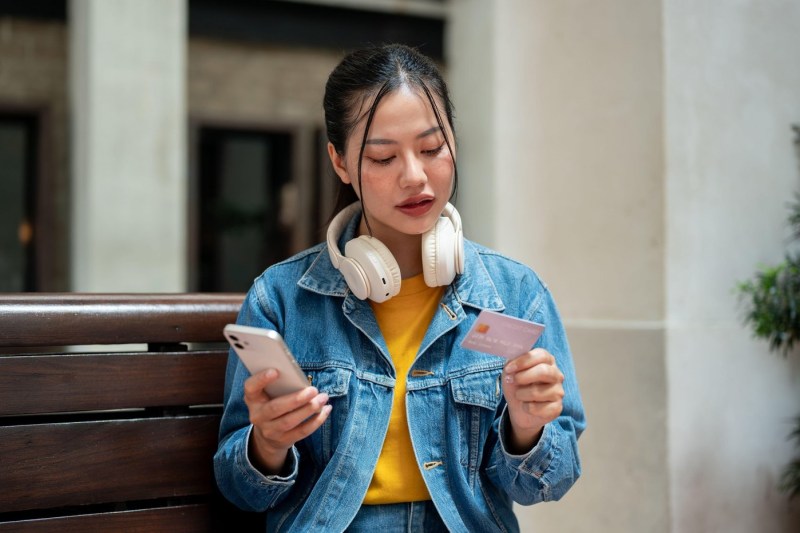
point(335, 230)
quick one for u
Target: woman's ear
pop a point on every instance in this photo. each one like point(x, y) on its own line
point(337, 160)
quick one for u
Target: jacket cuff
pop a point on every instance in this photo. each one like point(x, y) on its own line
point(537, 460)
point(254, 476)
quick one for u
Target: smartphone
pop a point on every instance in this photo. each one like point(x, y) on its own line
point(261, 348)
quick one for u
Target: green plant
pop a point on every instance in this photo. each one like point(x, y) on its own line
point(772, 300)
point(774, 306)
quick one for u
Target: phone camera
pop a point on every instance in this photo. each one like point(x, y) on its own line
point(239, 345)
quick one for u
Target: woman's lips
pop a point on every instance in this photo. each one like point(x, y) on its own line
point(416, 208)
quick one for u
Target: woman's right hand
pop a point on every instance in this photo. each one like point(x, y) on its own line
point(280, 422)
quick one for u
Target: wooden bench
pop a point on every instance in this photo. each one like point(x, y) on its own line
point(113, 440)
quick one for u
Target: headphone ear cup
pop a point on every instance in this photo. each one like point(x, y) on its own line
point(378, 269)
point(355, 277)
point(440, 253)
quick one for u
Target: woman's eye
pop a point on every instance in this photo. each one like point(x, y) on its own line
point(383, 162)
point(434, 151)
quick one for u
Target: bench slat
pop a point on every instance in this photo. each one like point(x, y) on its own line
point(37, 384)
point(82, 463)
point(184, 518)
point(61, 319)
point(78, 472)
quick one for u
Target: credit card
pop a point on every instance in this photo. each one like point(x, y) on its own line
point(498, 334)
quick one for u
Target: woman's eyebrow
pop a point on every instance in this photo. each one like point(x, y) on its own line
point(425, 133)
point(429, 131)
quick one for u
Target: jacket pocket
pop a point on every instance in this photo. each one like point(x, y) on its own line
point(334, 381)
point(477, 396)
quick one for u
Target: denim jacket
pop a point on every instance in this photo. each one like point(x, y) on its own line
point(454, 402)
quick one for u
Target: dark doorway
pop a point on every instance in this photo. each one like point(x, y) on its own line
point(18, 180)
point(244, 178)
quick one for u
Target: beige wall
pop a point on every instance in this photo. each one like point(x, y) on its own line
point(580, 132)
point(732, 89)
point(257, 83)
point(641, 161)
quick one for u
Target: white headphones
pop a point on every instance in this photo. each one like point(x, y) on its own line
point(370, 269)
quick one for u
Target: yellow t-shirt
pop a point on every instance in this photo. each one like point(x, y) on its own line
point(403, 320)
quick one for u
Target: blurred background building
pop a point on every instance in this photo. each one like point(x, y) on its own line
point(638, 154)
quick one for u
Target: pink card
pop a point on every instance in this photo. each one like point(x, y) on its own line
point(502, 335)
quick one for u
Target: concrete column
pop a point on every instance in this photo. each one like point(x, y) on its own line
point(471, 70)
point(129, 178)
point(569, 122)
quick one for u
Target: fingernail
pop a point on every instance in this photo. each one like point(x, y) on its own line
point(308, 393)
point(270, 372)
point(327, 409)
point(509, 378)
point(511, 368)
point(322, 398)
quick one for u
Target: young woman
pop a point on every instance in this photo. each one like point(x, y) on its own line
point(400, 428)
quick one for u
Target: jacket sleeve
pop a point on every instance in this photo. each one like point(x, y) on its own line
point(553, 465)
point(238, 480)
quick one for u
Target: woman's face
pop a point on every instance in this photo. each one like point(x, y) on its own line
point(407, 170)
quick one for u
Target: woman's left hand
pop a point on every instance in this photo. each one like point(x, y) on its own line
point(533, 387)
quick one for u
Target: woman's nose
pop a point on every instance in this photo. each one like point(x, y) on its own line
point(414, 172)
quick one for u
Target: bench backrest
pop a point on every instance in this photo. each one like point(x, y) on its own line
point(112, 440)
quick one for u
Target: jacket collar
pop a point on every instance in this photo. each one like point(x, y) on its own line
point(474, 287)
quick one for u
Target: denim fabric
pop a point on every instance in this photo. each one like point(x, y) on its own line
point(454, 402)
point(411, 517)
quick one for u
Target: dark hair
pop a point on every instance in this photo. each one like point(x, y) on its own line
point(373, 73)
